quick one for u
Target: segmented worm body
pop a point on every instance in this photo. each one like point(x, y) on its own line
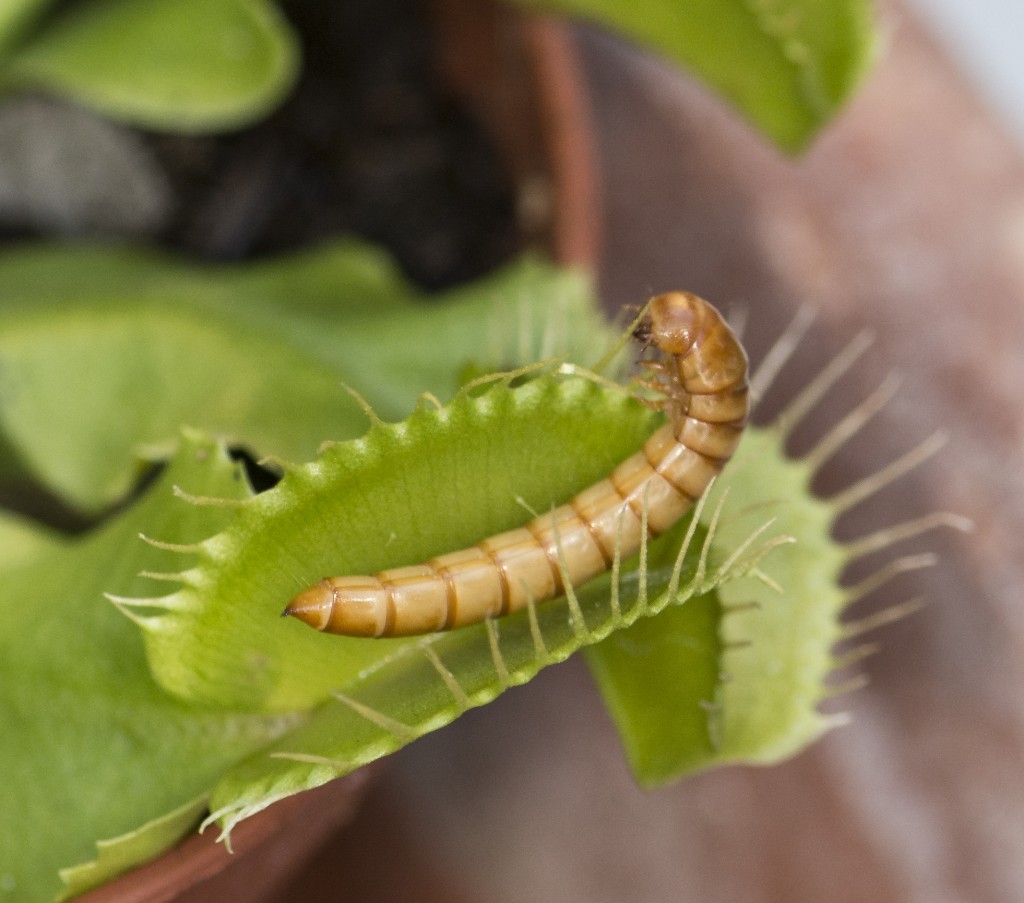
point(701, 374)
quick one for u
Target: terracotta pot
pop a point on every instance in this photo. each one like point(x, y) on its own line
point(520, 76)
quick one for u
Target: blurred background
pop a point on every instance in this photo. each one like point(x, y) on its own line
point(905, 217)
point(984, 40)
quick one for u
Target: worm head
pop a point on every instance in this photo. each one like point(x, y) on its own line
point(672, 322)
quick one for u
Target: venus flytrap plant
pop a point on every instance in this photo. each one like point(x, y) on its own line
point(713, 644)
point(145, 682)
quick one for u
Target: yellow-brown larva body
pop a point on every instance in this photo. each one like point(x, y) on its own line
point(703, 377)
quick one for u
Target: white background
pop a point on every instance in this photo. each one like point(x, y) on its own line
point(987, 39)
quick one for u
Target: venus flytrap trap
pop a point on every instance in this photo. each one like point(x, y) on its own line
point(430, 681)
point(366, 504)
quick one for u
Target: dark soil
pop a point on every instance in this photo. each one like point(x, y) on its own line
point(368, 144)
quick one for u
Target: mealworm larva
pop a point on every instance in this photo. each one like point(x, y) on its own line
point(702, 377)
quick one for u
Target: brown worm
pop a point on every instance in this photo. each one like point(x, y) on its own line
point(702, 376)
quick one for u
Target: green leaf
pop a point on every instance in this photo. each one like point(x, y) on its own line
point(21, 540)
point(787, 65)
point(761, 669)
point(176, 65)
point(91, 747)
point(176, 344)
point(341, 275)
point(16, 16)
